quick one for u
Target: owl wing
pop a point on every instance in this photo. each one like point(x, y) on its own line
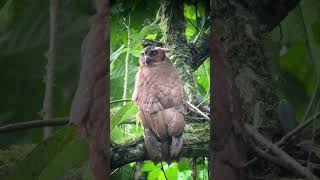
point(161, 100)
point(153, 93)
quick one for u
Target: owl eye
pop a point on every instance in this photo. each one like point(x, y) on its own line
point(153, 53)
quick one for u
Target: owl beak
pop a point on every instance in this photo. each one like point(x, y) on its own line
point(147, 60)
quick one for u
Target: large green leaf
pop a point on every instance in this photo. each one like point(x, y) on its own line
point(138, 37)
point(172, 171)
point(33, 164)
point(124, 112)
point(72, 155)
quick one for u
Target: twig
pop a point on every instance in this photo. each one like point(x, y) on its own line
point(194, 169)
point(292, 164)
point(125, 86)
point(120, 101)
point(298, 129)
point(47, 102)
point(197, 110)
point(163, 171)
point(288, 136)
point(34, 124)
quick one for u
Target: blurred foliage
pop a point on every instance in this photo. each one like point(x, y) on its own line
point(125, 124)
point(295, 50)
point(24, 27)
point(24, 40)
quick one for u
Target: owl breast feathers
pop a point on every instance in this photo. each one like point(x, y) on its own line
point(160, 98)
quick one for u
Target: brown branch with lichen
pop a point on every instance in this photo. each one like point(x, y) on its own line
point(196, 144)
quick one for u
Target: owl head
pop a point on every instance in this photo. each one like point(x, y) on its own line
point(152, 54)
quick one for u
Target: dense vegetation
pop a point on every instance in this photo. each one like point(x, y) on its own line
point(131, 24)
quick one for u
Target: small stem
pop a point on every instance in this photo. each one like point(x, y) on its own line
point(163, 171)
point(197, 110)
point(194, 169)
point(47, 103)
point(125, 88)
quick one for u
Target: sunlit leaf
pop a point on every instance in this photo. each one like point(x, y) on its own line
point(116, 54)
point(137, 38)
point(147, 166)
point(116, 134)
point(172, 171)
point(118, 117)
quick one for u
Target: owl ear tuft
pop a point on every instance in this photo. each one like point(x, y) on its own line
point(164, 49)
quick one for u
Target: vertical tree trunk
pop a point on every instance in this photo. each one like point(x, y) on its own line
point(90, 105)
point(173, 28)
point(242, 80)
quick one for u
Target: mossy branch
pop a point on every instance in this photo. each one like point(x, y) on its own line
point(196, 144)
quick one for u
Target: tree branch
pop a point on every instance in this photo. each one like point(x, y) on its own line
point(34, 124)
point(291, 164)
point(200, 49)
point(196, 144)
point(285, 139)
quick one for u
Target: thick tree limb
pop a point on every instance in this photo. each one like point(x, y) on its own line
point(291, 164)
point(200, 50)
point(196, 144)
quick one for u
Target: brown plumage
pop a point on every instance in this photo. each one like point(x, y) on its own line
point(160, 98)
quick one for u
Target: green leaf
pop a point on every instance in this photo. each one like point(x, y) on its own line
point(172, 171)
point(295, 63)
point(125, 111)
point(116, 134)
point(32, 165)
point(189, 12)
point(286, 115)
point(127, 172)
point(316, 31)
point(137, 38)
point(135, 53)
point(156, 174)
point(184, 164)
point(116, 54)
point(73, 155)
point(147, 166)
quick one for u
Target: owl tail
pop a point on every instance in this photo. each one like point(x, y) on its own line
point(165, 150)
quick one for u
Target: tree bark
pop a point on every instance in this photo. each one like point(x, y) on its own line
point(240, 67)
point(174, 38)
point(90, 107)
